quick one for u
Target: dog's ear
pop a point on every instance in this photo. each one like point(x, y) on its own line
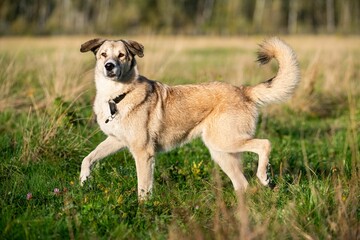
point(92, 45)
point(134, 47)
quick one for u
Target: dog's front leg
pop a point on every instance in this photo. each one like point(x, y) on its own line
point(145, 162)
point(109, 146)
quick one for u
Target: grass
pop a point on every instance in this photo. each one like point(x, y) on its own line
point(47, 128)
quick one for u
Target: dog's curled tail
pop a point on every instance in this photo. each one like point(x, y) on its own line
point(282, 86)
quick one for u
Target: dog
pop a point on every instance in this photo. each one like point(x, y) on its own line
point(147, 116)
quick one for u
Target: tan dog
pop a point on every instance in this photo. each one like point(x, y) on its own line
point(146, 116)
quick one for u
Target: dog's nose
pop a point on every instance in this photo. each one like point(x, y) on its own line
point(109, 66)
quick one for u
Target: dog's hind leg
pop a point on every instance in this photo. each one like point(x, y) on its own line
point(262, 147)
point(109, 146)
point(231, 165)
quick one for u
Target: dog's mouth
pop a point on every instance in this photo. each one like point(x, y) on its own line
point(110, 74)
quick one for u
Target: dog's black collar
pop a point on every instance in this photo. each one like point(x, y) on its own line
point(112, 106)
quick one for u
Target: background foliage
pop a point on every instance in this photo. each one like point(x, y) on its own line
point(225, 17)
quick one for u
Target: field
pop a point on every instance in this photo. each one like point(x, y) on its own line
point(47, 127)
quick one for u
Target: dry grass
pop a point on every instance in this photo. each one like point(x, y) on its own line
point(37, 70)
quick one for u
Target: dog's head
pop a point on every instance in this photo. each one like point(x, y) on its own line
point(115, 59)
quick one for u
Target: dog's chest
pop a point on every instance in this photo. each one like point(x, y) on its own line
point(110, 124)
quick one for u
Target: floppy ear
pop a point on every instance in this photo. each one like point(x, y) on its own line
point(134, 48)
point(92, 45)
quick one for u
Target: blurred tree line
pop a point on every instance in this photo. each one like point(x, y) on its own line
point(224, 17)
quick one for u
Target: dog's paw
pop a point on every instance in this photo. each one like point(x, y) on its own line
point(264, 179)
point(144, 195)
point(84, 174)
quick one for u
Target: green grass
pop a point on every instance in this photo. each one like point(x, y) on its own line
point(314, 161)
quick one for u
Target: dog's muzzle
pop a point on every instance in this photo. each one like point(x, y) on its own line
point(112, 69)
point(109, 67)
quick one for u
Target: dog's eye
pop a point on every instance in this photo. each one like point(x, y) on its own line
point(121, 55)
point(104, 54)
